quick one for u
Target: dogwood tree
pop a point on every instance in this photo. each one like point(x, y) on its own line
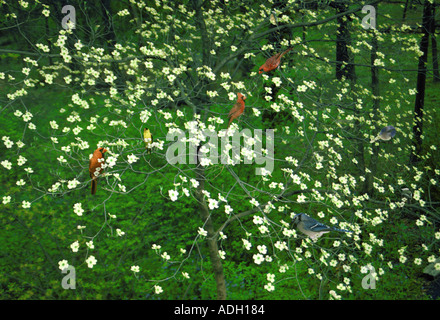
point(205, 215)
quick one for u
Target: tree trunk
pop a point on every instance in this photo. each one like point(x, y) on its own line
point(434, 46)
point(345, 71)
point(421, 81)
point(211, 238)
point(49, 43)
point(368, 186)
point(405, 10)
point(344, 67)
point(200, 102)
point(109, 36)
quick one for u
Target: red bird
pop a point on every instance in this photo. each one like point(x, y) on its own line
point(273, 62)
point(237, 109)
point(96, 162)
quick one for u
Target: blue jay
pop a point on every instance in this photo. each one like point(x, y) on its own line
point(385, 134)
point(312, 228)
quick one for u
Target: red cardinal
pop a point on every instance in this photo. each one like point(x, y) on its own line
point(96, 162)
point(237, 109)
point(273, 62)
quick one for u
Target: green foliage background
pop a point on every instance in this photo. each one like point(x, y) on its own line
point(34, 240)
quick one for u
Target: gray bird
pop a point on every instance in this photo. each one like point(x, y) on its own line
point(312, 228)
point(385, 134)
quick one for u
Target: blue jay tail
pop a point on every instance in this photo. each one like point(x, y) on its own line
point(342, 230)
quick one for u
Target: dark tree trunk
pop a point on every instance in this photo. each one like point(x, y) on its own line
point(109, 36)
point(345, 71)
point(344, 67)
point(368, 186)
point(405, 10)
point(421, 81)
point(49, 43)
point(434, 46)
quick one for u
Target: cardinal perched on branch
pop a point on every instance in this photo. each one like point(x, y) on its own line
point(273, 62)
point(95, 164)
point(237, 109)
point(148, 139)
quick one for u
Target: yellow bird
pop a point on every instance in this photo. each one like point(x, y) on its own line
point(148, 139)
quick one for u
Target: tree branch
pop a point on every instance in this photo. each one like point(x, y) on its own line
point(260, 208)
point(310, 24)
point(55, 55)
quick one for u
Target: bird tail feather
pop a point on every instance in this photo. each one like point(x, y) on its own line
point(286, 51)
point(94, 186)
point(342, 230)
